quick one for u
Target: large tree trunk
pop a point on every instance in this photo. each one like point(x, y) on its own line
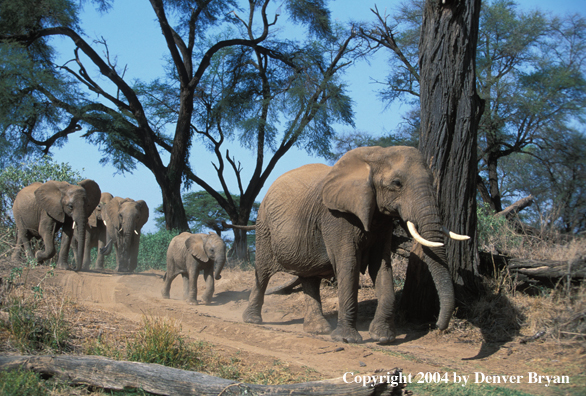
point(175, 217)
point(450, 112)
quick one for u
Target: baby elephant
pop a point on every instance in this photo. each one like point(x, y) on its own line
point(187, 255)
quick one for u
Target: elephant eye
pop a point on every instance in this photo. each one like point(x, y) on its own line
point(396, 183)
point(70, 206)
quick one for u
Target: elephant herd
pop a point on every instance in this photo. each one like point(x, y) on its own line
point(315, 222)
point(86, 217)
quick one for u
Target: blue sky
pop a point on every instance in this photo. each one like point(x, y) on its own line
point(131, 24)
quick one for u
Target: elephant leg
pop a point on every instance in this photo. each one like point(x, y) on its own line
point(348, 275)
point(66, 236)
point(252, 313)
point(185, 286)
point(133, 252)
point(47, 230)
point(208, 276)
point(265, 263)
point(382, 327)
point(87, 251)
point(167, 280)
point(192, 294)
point(314, 321)
point(22, 241)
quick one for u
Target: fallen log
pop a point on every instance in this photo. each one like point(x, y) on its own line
point(545, 272)
point(160, 380)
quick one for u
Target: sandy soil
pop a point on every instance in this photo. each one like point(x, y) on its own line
point(459, 351)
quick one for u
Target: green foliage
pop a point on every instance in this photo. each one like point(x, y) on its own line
point(22, 383)
point(494, 232)
point(15, 177)
point(161, 342)
point(152, 252)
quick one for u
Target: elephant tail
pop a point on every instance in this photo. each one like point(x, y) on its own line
point(165, 276)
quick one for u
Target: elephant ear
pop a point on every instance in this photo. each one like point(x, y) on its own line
point(195, 245)
point(348, 187)
point(104, 199)
point(144, 213)
point(111, 213)
point(93, 194)
point(48, 197)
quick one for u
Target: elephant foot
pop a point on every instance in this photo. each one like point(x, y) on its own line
point(251, 316)
point(346, 334)
point(192, 302)
point(165, 294)
point(316, 325)
point(382, 332)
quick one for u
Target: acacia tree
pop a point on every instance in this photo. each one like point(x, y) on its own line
point(532, 76)
point(154, 123)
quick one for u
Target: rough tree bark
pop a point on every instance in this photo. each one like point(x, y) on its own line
point(450, 112)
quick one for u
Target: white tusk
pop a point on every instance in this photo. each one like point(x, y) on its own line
point(455, 236)
point(73, 227)
point(419, 238)
point(105, 222)
point(136, 232)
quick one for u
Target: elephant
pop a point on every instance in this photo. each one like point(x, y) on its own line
point(41, 209)
point(188, 254)
point(319, 221)
point(124, 219)
point(95, 234)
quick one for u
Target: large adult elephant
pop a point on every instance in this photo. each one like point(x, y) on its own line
point(124, 218)
point(318, 221)
point(95, 234)
point(41, 209)
point(188, 254)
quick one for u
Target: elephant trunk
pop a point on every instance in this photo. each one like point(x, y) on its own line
point(123, 251)
point(219, 265)
point(79, 225)
point(429, 225)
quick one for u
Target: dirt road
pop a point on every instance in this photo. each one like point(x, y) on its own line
point(458, 352)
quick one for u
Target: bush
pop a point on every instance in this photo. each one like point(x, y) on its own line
point(22, 383)
point(152, 253)
point(494, 232)
point(34, 323)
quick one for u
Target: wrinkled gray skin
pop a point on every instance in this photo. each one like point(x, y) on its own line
point(41, 209)
point(188, 254)
point(319, 221)
point(95, 235)
point(124, 219)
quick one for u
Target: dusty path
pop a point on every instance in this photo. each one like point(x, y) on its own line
point(457, 352)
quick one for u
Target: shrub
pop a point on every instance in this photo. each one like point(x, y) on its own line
point(152, 253)
point(495, 234)
point(22, 383)
point(34, 323)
